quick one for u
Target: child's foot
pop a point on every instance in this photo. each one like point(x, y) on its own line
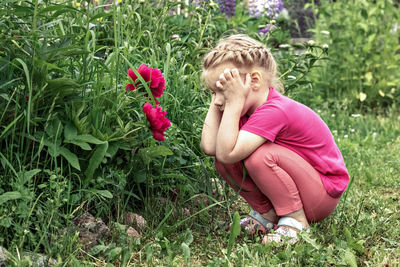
point(255, 224)
point(287, 231)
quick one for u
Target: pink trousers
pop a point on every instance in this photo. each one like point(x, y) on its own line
point(278, 178)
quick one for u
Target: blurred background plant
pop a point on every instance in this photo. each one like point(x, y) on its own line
point(72, 139)
point(364, 51)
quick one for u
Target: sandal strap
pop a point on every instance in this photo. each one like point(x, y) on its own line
point(289, 221)
point(268, 225)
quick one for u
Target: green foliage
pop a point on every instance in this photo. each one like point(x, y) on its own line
point(72, 139)
point(235, 231)
point(364, 59)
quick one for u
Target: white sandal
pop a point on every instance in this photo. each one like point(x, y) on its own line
point(286, 231)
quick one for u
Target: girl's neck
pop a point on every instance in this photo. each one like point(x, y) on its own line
point(259, 99)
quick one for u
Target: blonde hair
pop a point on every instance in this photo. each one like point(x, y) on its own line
point(242, 50)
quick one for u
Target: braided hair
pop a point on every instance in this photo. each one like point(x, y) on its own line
point(243, 51)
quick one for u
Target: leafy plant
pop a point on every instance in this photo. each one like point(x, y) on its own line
point(364, 57)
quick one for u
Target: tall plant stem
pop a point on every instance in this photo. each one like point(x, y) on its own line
point(117, 24)
point(29, 77)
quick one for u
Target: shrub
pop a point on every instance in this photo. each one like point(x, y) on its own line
point(364, 51)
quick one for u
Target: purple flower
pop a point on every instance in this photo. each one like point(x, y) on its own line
point(267, 29)
point(228, 7)
point(267, 8)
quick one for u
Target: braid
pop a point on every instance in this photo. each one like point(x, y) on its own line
point(242, 50)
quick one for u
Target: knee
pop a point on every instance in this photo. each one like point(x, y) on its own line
point(262, 155)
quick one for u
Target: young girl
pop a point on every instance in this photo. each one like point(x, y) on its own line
point(295, 173)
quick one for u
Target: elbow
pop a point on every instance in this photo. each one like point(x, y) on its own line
point(225, 159)
point(208, 150)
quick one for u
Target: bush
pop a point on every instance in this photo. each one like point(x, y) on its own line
point(364, 51)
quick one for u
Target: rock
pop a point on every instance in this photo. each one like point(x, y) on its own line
point(186, 211)
point(40, 260)
point(133, 233)
point(3, 256)
point(94, 225)
point(101, 228)
point(84, 219)
point(136, 220)
point(90, 230)
point(87, 238)
point(36, 259)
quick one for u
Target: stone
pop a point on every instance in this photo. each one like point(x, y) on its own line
point(40, 260)
point(3, 256)
point(186, 212)
point(90, 230)
point(133, 233)
point(136, 220)
point(36, 259)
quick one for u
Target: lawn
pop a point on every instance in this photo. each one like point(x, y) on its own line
point(362, 231)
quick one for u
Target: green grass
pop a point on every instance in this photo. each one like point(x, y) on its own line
point(363, 229)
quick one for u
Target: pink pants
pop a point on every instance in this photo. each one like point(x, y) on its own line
point(278, 178)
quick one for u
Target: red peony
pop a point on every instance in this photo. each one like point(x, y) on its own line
point(154, 76)
point(158, 122)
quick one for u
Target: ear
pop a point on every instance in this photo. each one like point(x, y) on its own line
point(256, 80)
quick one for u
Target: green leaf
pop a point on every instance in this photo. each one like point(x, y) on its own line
point(9, 196)
point(88, 139)
point(83, 145)
point(140, 176)
point(70, 131)
point(56, 7)
point(70, 157)
point(348, 236)
point(188, 237)
point(103, 193)
point(235, 231)
point(61, 84)
point(26, 176)
point(364, 13)
point(350, 258)
point(112, 149)
point(96, 159)
point(306, 237)
point(54, 130)
point(6, 222)
point(114, 253)
point(186, 252)
point(97, 249)
point(148, 153)
point(53, 150)
point(10, 125)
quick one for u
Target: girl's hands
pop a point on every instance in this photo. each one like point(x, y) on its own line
point(232, 85)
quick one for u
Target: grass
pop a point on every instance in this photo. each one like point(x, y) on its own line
point(72, 140)
point(363, 229)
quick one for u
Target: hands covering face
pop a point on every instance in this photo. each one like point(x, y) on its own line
point(232, 85)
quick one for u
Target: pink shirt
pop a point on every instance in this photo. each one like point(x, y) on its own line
point(295, 126)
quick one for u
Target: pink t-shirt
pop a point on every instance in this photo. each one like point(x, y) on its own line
point(295, 126)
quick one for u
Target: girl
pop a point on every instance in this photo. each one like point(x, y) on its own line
point(295, 173)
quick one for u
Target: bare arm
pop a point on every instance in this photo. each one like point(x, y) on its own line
point(234, 145)
point(210, 129)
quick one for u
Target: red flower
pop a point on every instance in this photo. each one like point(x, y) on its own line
point(154, 76)
point(158, 122)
